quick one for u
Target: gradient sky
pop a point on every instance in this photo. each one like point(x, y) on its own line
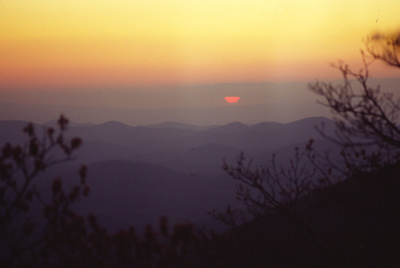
point(123, 43)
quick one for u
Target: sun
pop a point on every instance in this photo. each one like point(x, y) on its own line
point(232, 99)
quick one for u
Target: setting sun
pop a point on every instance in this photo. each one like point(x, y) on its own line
point(232, 99)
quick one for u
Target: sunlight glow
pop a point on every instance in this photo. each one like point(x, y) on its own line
point(48, 43)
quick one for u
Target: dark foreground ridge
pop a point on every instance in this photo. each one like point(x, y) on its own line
point(353, 223)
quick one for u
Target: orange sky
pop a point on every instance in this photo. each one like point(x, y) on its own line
point(71, 43)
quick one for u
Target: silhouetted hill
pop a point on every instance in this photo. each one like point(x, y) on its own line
point(353, 223)
point(126, 192)
point(204, 158)
point(270, 136)
point(12, 131)
point(266, 125)
point(95, 151)
point(261, 137)
point(114, 125)
point(137, 139)
point(181, 148)
point(54, 124)
point(229, 128)
point(179, 125)
point(285, 153)
point(205, 115)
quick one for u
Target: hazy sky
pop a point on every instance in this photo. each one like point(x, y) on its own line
point(124, 43)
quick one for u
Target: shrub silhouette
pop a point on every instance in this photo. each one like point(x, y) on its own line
point(60, 237)
point(318, 212)
point(366, 117)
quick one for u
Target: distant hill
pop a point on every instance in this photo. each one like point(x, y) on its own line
point(260, 137)
point(126, 192)
point(115, 140)
point(205, 158)
point(54, 124)
point(12, 131)
point(205, 115)
point(229, 128)
point(179, 125)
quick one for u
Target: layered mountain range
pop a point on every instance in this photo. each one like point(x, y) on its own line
point(137, 174)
